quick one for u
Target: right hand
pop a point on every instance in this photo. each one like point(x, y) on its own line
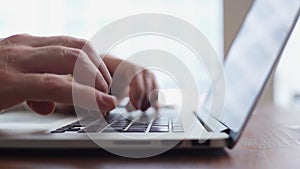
point(36, 69)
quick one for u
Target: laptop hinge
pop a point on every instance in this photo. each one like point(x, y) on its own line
point(227, 131)
point(211, 124)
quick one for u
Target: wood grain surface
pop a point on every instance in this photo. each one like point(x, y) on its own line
point(271, 140)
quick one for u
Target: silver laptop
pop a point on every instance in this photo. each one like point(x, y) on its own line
point(252, 58)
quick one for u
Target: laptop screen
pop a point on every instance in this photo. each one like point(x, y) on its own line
point(253, 56)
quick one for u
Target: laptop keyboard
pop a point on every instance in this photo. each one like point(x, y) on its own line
point(121, 124)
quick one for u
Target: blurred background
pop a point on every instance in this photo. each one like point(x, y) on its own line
point(217, 20)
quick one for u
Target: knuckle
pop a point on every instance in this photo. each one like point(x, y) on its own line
point(58, 51)
point(147, 73)
point(81, 43)
point(13, 50)
point(81, 56)
point(71, 54)
point(89, 45)
point(85, 45)
point(5, 41)
point(18, 37)
point(64, 40)
point(71, 41)
point(74, 55)
point(14, 39)
point(9, 50)
point(51, 82)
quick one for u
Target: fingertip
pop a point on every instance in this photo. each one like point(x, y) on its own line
point(115, 101)
point(107, 102)
point(137, 104)
point(156, 105)
point(145, 105)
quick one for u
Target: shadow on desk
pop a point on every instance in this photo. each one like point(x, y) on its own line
point(70, 159)
point(102, 153)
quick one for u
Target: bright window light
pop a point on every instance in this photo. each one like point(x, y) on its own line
point(287, 78)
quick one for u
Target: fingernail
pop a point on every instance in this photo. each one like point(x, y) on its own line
point(156, 106)
point(110, 101)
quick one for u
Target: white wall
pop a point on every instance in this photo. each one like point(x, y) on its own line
point(234, 14)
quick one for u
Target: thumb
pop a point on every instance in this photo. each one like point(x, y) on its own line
point(41, 107)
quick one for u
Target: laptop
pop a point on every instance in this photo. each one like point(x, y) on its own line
point(249, 64)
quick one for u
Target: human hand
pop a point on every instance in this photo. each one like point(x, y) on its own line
point(134, 81)
point(36, 69)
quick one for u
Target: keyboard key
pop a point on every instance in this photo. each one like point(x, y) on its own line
point(94, 128)
point(111, 130)
point(57, 131)
point(75, 125)
point(160, 123)
point(119, 123)
point(177, 129)
point(142, 123)
point(118, 128)
point(81, 131)
point(159, 129)
point(136, 130)
point(73, 129)
point(176, 124)
point(138, 126)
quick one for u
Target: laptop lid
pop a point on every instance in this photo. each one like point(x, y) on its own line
point(253, 57)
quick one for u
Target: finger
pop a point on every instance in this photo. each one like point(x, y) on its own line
point(62, 60)
point(46, 108)
point(129, 107)
point(66, 41)
point(153, 97)
point(54, 88)
point(148, 88)
point(65, 108)
point(137, 91)
point(41, 107)
point(8, 84)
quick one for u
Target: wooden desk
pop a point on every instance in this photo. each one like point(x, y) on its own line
point(271, 140)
